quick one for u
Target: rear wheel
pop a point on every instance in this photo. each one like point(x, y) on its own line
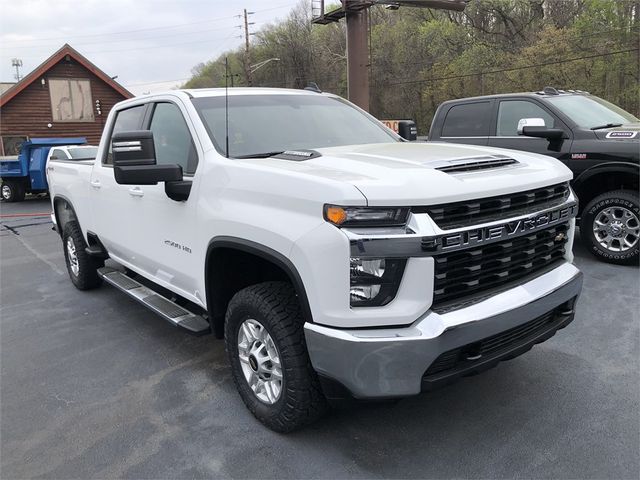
point(82, 268)
point(12, 191)
point(610, 227)
point(265, 344)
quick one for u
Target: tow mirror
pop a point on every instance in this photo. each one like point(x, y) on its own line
point(529, 122)
point(407, 129)
point(134, 160)
point(535, 127)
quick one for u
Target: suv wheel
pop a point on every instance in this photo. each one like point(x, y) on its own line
point(264, 339)
point(82, 268)
point(610, 227)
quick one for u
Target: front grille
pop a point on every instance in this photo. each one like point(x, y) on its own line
point(478, 269)
point(474, 212)
point(465, 356)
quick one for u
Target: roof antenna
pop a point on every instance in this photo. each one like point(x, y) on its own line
point(226, 104)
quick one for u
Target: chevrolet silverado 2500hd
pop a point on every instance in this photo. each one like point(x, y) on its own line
point(332, 256)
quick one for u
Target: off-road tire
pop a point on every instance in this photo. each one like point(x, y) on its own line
point(619, 198)
point(276, 307)
point(86, 276)
point(16, 191)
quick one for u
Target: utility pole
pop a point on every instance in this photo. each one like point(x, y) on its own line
point(358, 55)
point(357, 16)
point(247, 58)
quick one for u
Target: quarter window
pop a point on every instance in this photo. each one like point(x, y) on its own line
point(467, 120)
point(510, 112)
point(172, 139)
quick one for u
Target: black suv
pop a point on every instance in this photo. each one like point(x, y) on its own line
point(597, 140)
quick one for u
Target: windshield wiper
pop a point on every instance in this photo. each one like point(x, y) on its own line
point(260, 155)
point(608, 125)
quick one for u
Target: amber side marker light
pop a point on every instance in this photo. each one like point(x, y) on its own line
point(335, 215)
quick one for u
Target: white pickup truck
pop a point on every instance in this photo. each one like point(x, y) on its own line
point(335, 258)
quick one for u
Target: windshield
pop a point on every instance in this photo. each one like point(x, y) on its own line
point(262, 124)
point(83, 153)
point(591, 112)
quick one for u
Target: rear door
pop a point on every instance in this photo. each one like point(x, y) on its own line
point(505, 133)
point(468, 122)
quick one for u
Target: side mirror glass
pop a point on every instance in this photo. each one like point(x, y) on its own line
point(529, 122)
point(134, 160)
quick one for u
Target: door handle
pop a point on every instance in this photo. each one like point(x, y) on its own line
point(136, 192)
point(95, 183)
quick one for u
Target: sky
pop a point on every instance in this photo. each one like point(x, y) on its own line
point(151, 45)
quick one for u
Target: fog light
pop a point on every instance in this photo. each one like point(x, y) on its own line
point(374, 282)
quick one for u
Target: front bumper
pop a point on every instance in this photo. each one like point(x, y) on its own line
point(393, 362)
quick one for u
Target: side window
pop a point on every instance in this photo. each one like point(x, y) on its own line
point(126, 120)
point(172, 139)
point(57, 154)
point(467, 120)
point(510, 112)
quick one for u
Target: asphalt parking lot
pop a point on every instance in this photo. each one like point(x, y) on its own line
point(95, 386)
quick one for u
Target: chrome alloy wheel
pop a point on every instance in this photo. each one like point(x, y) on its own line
point(6, 192)
point(73, 256)
point(260, 361)
point(617, 229)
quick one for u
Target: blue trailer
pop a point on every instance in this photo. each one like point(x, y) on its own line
point(27, 172)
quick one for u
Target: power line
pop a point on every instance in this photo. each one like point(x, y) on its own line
point(99, 42)
point(67, 37)
point(524, 67)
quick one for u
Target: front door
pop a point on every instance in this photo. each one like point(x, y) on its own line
point(510, 112)
point(158, 237)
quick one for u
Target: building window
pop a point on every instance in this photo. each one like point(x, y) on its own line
point(11, 144)
point(71, 100)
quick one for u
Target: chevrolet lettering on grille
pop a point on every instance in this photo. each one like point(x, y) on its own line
point(469, 238)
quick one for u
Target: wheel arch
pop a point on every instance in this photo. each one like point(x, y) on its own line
point(64, 212)
point(224, 254)
point(605, 177)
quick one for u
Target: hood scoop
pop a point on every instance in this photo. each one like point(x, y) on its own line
point(475, 163)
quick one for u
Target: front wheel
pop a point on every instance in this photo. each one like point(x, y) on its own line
point(610, 227)
point(264, 339)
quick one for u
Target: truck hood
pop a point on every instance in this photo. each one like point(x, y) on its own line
point(627, 132)
point(406, 173)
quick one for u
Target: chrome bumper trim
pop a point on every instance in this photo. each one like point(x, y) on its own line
point(375, 363)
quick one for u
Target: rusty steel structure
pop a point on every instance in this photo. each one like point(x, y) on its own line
point(356, 13)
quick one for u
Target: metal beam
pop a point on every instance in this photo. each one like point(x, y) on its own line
point(358, 56)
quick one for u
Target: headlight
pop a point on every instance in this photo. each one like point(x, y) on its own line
point(374, 282)
point(366, 216)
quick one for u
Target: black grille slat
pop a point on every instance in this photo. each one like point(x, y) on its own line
point(479, 269)
point(473, 212)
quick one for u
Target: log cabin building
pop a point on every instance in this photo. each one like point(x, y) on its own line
point(66, 96)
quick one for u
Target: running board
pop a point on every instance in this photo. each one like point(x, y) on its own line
point(170, 311)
